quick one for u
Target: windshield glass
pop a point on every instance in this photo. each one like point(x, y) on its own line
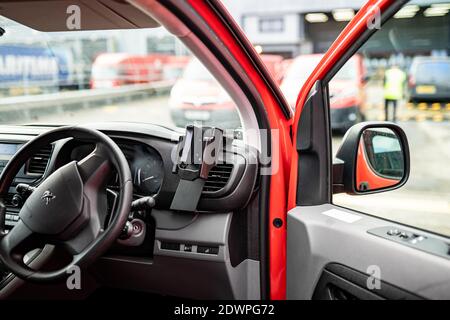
point(139, 75)
point(303, 66)
point(195, 71)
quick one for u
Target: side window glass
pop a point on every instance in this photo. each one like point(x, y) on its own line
point(402, 74)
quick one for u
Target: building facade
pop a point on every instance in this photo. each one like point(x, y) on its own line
point(293, 27)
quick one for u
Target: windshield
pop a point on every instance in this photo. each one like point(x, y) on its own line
point(110, 75)
point(303, 66)
point(196, 71)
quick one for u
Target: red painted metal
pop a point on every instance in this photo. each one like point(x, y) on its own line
point(284, 180)
point(346, 39)
point(281, 146)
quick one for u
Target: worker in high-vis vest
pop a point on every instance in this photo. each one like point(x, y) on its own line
point(394, 89)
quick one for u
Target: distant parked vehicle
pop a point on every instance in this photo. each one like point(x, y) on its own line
point(429, 79)
point(173, 66)
point(346, 90)
point(197, 96)
point(285, 64)
point(117, 69)
point(274, 64)
point(33, 68)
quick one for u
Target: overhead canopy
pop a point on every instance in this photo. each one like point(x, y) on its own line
point(58, 15)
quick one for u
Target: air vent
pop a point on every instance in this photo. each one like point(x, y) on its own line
point(38, 163)
point(218, 177)
point(8, 200)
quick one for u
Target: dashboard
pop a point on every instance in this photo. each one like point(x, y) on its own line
point(146, 165)
point(150, 151)
point(175, 242)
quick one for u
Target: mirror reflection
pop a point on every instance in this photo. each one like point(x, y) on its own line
point(380, 162)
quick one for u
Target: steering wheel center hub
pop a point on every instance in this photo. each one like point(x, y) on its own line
point(56, 203)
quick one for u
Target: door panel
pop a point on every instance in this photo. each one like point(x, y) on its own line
point(338, 282)
point(338, 253)
point(318, 237)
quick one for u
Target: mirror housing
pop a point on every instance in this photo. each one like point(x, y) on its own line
point(356, 155)
point(365, 78)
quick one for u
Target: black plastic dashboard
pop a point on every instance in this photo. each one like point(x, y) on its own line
point(150, 152)
point(214, 238)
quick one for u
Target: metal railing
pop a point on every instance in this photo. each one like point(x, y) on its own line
point(28, 107)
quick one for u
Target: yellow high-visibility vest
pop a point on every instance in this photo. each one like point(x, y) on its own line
point(394, 84)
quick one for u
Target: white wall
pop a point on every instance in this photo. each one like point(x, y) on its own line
point(292, 31)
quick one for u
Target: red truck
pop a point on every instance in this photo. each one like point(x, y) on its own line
point(118, 69)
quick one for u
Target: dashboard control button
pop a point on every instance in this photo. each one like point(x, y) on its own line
point(404, 235)
point(416, 239)
point(393, 232)
point(207, 250)
point(170, 246)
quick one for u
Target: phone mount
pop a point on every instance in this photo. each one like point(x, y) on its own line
point(197, 153)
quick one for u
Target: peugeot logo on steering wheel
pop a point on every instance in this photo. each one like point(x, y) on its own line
point(47, 197)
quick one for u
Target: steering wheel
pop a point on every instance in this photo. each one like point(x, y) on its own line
point(69, 208)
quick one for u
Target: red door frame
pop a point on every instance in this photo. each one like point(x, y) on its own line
point(284, 181)
point(373, 9)
point(281, 161)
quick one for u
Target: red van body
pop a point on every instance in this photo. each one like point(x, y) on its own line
point(118, 69)
point(346, 89)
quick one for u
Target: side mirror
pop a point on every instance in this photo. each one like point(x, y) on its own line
point(365, 78)
point(373, 157)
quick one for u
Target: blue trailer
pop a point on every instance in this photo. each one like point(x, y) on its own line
point(30, 66)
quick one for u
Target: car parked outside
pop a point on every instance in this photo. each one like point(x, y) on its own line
point(198, 97)
point(429, 79)
point(347, 95)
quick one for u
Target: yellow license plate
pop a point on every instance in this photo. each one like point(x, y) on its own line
point(426, 89)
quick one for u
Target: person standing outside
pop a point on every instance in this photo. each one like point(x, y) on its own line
point(394, 87)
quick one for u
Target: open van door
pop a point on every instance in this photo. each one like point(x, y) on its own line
point(335, 252)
